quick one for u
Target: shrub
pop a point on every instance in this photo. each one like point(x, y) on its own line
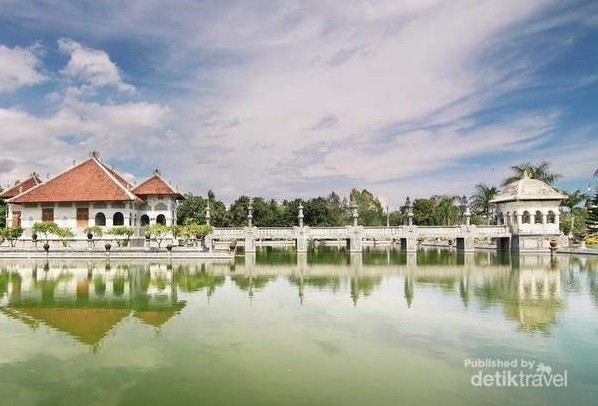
point(95, 231)
point(46, 228)
point(122, 231)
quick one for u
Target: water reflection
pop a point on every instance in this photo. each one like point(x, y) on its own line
point(87, 300)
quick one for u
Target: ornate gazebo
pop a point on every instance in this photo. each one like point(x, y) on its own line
point(530, 208)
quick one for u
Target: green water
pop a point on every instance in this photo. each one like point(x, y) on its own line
point(377, 329)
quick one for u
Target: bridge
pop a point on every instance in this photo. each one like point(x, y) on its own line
point(356, 237)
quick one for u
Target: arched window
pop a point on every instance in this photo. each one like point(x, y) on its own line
point(145, 220)
point(509, 219)
point(160, 207)
point(118, 219)
point(550, 218)
point(526, 217)
point(161, 219)
point(538, 219)
point(100, 219)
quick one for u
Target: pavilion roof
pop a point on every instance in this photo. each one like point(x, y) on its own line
point(527, 188)
point(87, 325)
point(88, 181)
point(21, 186)
point(155, 186)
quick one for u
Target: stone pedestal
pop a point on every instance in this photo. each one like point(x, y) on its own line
point(301, 239)
point(356, 239)
point(249, 237)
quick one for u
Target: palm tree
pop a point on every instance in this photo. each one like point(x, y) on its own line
point(446, 210)
point(574, 199)
point(480, 200)
point(541, 172)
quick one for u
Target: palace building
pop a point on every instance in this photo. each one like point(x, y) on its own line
point(91, 194)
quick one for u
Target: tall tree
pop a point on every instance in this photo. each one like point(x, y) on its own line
point(480, 200)
point(592, 220)
point(369, 208)
point(540, 171)
point(446, 211)
point(238, 211)
point(575, 215)
point(424, 212)
point(192, 209)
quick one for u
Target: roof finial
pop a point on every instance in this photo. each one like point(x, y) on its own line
point(525, 174)
point(156, 171)
point(95, 154)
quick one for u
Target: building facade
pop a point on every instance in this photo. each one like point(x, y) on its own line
point(92, 194)
point(530, 208)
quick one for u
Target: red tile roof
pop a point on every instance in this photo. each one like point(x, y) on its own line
point(89, 181)
point(128, 185)
point(155, 185)
point(21, 187)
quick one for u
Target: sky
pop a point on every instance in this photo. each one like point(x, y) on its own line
point(297, 98)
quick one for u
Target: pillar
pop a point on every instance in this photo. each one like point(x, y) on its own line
point(411, 244)
point(300, 215)
point(519, 217)
point(355, 240)
point(301, 239)
point(249, 240)
point(465, 244)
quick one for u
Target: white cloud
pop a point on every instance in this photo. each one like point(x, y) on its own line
point(91, 66)
point(36, 143)
point(19, 67)
point(317, 96)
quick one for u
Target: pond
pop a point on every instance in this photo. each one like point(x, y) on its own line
point(379, 328)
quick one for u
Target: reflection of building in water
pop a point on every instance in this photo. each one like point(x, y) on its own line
point(532, 294)
point(87, 302)
point(538, 299)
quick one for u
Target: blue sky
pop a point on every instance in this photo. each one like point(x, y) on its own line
point(298, 98)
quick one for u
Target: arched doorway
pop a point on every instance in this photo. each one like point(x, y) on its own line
point(161, 219)
point(145, 220)
point(118, 219)
point(100, 219)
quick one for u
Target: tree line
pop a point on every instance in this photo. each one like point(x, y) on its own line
point(334, 210)
point(580, 209)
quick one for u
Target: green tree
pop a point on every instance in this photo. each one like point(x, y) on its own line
point(540, 171)
point(46, 228)
point(424, 212)
point(10, 234)
point(158, 232)
point(238, 211)
point(64, 233)
point(480, 200)
point(446, 211)
point(122, 231)
point(369, 208)
point(193, 208)
point(592, 220)
point(218, 211)
point(317, 213)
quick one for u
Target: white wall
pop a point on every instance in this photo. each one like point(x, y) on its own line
point(66, 216)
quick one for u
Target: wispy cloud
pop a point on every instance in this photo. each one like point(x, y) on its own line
point(317, 96)
point(91, 66)
point(19, 67)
